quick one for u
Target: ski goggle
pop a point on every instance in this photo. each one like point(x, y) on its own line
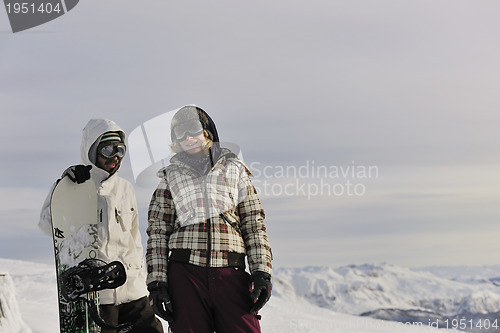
point(113, 150)
point(191, 127)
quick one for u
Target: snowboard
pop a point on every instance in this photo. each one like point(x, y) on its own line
point(74, 227)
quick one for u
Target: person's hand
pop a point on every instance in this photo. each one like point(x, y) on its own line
point(160, 301)
point(261, 292)
point(78, 173)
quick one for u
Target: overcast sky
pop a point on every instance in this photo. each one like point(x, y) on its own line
point(315, 93)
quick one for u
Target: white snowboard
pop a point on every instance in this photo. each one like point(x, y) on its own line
point(74, 228)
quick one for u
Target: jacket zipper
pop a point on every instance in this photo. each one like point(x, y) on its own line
point(207, 219)
point(207, 213)
point(224, 218)
point(205, 208)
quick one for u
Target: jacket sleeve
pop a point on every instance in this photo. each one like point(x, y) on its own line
point(45, 222)
point(252, 226)
point(161, 218)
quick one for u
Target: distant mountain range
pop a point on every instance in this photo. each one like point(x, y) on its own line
point(464, 298)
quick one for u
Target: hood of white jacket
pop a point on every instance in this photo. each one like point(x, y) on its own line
point(91, 134)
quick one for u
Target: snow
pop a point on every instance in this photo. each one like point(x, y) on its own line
point(310, 299)
point(10, 316)
point(36, 290)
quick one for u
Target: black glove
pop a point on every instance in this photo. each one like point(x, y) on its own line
point(261, 290)
point(78, 173)
point(160, 301)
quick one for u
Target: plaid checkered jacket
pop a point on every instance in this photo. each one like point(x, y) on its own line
point(212, 216)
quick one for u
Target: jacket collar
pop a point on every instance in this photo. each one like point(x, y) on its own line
point(176, 162)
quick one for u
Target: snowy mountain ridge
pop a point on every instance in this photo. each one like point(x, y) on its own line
point(358, 289)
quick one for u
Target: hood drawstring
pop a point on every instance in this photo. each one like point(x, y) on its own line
point(211, 157)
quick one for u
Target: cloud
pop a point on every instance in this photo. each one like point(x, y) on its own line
point(409, 88)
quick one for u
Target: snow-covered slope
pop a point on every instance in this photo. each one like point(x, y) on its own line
point(284, 316)
point(36, 291)
point(312, 299)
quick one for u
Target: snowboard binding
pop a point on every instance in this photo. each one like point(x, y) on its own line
point(91, 275)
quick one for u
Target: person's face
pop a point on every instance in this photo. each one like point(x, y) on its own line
point(109, 156)
point(193, 144)
point(108, 164)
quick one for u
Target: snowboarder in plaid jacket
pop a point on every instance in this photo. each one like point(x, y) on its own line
point(205, 219)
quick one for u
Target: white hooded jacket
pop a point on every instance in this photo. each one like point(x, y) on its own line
point(119, 234)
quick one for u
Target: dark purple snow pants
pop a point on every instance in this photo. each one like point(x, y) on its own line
point(208, 300)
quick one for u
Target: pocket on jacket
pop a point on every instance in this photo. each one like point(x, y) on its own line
point(231, 219)
point(224, 198)
point(125, 217)
point(134, 266)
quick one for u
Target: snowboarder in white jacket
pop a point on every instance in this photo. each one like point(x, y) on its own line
point(102, 150)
